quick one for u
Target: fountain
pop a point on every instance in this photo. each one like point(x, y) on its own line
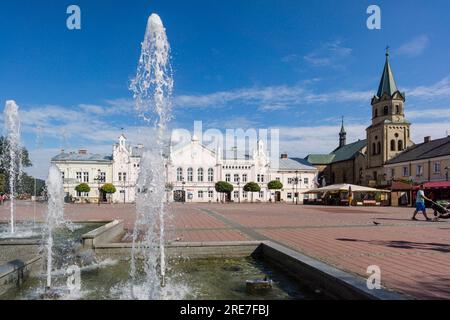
point(13, 152)
point(152, 90)
point(55, 215)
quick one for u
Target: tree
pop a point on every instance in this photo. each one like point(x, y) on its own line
point(5, 164)
point(82, 188)
point(109, 189)
point(224, 187)
point(252, 187)
point(274, 185)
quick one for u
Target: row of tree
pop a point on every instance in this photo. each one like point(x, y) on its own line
point(107, 188)
point(224, 187)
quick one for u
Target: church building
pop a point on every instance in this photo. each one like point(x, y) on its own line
point(362, 162)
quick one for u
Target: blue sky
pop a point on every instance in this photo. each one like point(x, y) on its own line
point(293, 65)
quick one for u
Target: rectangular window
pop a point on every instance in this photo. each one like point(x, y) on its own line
point(79, 176)
point(244, 195)
point(120, 176)
point(437, 167)
point(236, 194)
point(244, 178)
point(405, 172)
point(291, 180)
point(419, 170)
point(236, 178)
point(85, 176)
point(210, 194)
point(103, 176)
point(261, 194)
point(306, 181)
point(278, 179)
point(124, 175)
point(289, 195)
point(392, 173)
point(228, 177)
point(200, 194)
point(62, 175)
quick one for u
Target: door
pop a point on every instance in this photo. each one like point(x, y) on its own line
point(179, 196)
point(278, 196)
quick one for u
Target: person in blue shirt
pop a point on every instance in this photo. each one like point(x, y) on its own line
point(420, 203)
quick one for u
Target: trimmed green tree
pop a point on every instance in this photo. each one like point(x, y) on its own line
point(252, 187)
point(274, 185)
point(82, 188)
point(223, 188)
point(109, 189)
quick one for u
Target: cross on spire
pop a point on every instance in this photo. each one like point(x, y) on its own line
point(387, 51)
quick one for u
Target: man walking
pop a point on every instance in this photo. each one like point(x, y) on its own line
point(420, 204)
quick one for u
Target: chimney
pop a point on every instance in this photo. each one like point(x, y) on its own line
point(427, 139)
point(82, 151)
point(284, 156)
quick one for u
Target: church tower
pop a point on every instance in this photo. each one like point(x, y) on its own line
point(389, 133)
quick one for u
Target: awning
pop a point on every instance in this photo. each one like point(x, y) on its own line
point(435, 185)
point(345, 188)
point(401, 186)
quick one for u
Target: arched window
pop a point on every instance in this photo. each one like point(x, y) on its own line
point(210, 175)
point(180, 174)
point(374, 149)
point(400, 145)
point(386, 110)
point(392, 145)
point(397, 109)
point(376, 113)
point(190, 174)
point(379, 147)
point(200, 175)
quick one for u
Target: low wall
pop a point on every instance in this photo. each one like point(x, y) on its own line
point(185, 250)
point(105, 234)
point(334, 282)
point(13, 273)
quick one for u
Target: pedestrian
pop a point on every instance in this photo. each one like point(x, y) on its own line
point(420, 204)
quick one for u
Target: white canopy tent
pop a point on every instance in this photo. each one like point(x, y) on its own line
point(345, 188)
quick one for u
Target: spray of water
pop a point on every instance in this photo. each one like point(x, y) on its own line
point(55, 214)
point(152, 89)
point(12, 153)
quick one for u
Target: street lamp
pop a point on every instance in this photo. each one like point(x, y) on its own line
point(182, 189)
point(239, 188)
point(99, 179)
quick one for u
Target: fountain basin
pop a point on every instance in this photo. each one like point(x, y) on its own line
point(217, 270)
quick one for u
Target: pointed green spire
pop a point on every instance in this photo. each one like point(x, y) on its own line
point(342, 127)
point(387, 83)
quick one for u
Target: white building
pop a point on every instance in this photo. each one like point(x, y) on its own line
point(192, 172)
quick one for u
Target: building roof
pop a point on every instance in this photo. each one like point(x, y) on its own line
point(294, 164)
point(75, 156)
point(347, 152)
point(426, 150)
point(387, 83)
point(317, 159)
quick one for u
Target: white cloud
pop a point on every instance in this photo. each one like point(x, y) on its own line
point(414, 47)
point(440, 89)
point(429, 113)
point(329, 54)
